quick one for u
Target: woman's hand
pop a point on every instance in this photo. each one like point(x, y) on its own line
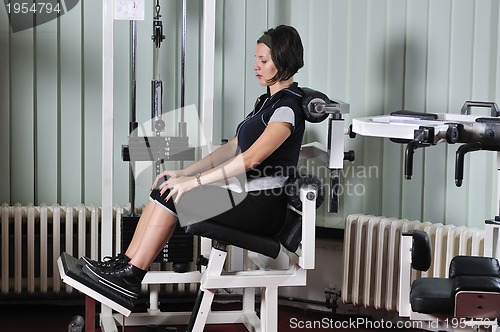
point(178, 185)
point(165, 175)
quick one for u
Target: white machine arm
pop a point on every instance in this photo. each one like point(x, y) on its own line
point(419, 130)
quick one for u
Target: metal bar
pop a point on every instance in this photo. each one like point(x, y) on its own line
point(133, 106)
point(207, 89)
point(183, 56)
point(107, 133)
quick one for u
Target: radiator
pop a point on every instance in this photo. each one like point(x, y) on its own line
point(371, 256)
point(33, 237)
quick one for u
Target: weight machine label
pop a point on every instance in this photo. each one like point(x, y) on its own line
point(132, 10)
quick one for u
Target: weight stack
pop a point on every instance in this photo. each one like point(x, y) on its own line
point(178, 250)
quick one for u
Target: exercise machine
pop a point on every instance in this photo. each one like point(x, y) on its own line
point(470, 296)
point(295, 243)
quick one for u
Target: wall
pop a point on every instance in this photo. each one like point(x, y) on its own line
point(379, 56)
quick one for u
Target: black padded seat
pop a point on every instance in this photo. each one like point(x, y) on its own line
point(265, 245)
point(289, 235)
point(431, 295)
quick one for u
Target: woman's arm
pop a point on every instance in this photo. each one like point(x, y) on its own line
point(217, 157)
point(273, 136)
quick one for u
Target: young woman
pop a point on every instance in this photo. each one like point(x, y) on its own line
point(264, 149)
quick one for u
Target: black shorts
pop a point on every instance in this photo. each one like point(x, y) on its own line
point(259, 212)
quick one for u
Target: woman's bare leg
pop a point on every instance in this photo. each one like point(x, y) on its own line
point(155, 234)
point(140, 229)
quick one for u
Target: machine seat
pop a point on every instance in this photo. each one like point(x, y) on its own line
point(269, 246)
point(432, 295)
point(472, 275)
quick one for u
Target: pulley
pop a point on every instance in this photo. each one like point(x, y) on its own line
point(158, 35)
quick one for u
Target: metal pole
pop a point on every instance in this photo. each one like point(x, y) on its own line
point(207, 86)
point(182, 123)
point(107, 135)
point(133, 108)
point(183, 56)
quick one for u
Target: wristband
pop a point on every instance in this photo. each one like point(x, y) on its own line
point(198, 179)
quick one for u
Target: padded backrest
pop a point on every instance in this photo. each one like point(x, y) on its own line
point(290, 234)
point(310, 99)
point(421, 251)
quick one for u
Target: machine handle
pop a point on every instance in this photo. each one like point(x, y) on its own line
point(410, 150)
point(495, 111)
point(459, 160)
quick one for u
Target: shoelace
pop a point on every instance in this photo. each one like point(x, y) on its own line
point(116, 267)
point(115, 260)
point(106, 259)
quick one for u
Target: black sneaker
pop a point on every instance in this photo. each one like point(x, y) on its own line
point(106, 262)
point(126, 279)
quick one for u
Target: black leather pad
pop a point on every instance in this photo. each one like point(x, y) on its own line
point(310, 97)
point(476, 283)
point(474, 266)
point(415, 115)
point(290, 234)
point(433, 295)
point(265, 245)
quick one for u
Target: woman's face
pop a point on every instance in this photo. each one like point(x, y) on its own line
point(264, 66)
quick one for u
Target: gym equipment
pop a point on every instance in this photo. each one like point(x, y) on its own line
point(470, 295)
point(295, 243)
point(420, 130)
point(212, 277)
point(157, 148)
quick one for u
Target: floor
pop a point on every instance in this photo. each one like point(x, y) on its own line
point(56, 318)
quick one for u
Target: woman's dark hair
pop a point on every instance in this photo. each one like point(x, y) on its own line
point(287, 51)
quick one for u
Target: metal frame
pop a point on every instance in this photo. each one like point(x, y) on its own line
point(108, 7)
